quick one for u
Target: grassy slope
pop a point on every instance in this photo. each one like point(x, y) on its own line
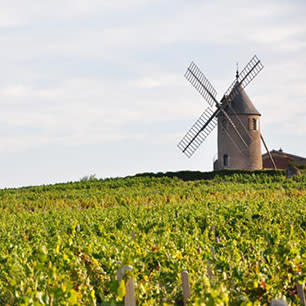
point(58, 246)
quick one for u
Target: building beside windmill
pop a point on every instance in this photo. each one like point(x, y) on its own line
point(282, 160)
point(244, 115)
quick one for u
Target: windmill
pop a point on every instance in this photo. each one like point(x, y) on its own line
point(239, 136)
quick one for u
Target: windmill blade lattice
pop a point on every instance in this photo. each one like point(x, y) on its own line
point(249, 72)
point(198, 132)
point(198, 80)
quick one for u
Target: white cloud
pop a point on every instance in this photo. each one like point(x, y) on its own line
point(87, 110)
point(79, 72)
point(16, 12)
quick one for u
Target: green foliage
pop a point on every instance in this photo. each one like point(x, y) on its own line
point(61, 244)
point(297, 165)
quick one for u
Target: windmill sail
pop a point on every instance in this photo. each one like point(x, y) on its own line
point(249, 72)
point(198, 132)
point(198, 80)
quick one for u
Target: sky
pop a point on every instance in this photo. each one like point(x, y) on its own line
point(98, 87)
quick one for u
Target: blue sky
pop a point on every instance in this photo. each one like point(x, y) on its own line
point(97, 86)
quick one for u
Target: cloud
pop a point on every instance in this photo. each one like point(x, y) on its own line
point(77, 72)
point(86, 110)
point(19, 13)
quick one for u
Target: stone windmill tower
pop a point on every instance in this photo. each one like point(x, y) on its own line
point(238, 121)
point(243, 114)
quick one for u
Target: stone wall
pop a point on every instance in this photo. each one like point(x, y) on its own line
point(239, 156)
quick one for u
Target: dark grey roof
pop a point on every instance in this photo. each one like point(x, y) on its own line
point(242, 104)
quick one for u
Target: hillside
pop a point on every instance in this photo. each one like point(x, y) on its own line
point(240, 235)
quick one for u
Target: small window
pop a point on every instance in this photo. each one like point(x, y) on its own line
point(225, 160)
point(253, 124)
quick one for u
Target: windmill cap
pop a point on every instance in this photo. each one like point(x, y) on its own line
point(242, 104)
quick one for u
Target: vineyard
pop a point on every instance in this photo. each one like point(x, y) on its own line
point(240, 235)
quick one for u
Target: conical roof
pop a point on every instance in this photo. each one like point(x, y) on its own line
point(242, 104)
